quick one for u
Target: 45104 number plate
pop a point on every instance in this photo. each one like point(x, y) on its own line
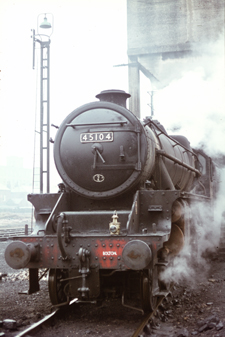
point(93, 137)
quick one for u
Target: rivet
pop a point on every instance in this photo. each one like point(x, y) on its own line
point(111, 258)
point(103, 245)
point(118, 244)
point(96, 245)
point(104, 258)
point(110, 245)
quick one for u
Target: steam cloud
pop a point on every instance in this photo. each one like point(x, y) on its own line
point(190, 265)
point(195, 108)
point(193, 104)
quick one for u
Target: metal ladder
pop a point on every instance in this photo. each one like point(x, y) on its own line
point(44, 116)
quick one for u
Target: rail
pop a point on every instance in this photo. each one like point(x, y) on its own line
point(148, 316)
point(34, 328)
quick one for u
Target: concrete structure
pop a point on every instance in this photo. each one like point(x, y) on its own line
point(168, 30)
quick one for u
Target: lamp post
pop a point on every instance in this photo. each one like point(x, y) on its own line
point(44, 23)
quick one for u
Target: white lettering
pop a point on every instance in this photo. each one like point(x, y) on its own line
point(109, 253)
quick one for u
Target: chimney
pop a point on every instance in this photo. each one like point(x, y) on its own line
point(114, 96)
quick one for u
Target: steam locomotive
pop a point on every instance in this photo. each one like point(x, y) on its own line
point(122, 210)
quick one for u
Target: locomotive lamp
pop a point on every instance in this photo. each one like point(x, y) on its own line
point(44, 31)
point(114, 226)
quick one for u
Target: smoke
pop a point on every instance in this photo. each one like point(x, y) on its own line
point(192, 264)
point(193, 103)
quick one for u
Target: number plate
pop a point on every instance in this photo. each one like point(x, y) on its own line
point(93, 137)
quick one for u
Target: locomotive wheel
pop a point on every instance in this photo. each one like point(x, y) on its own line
point(148, 300)
point(55, 287)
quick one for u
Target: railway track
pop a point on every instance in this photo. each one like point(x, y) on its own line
point(148, 316)
point(46, 322)
point(9, 233)
point(34, 328)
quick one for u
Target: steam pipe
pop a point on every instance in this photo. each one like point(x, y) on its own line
point(167, 181)
point(48, 222)
point(61, 218)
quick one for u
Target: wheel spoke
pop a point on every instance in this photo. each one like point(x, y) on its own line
point(56, 288)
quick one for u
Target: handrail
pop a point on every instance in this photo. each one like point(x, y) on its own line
point(178, 161)
point(171, 138)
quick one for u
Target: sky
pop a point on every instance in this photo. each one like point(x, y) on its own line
point(88, 40)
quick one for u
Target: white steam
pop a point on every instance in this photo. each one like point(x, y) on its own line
point(191, 264)
point(180, 268)
point(193, 104)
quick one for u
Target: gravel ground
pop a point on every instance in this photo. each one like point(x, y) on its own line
point(191, 309)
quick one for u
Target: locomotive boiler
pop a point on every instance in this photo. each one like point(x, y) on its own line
point(122, 209)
